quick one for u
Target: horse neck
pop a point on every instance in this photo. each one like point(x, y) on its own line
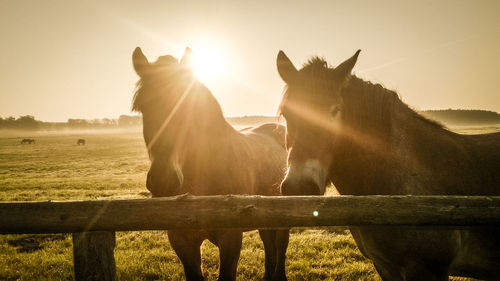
point(209, 161)
point(383, 142)
point(202, 128)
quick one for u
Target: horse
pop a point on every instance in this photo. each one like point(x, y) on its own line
point(28, 141)
point(362, 138)
point(80, 142)
point(194, 150)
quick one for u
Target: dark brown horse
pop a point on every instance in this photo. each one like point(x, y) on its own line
point(194, 150)
point(28, 141)
point(365, 140)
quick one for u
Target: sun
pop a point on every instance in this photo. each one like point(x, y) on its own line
point(208, 62)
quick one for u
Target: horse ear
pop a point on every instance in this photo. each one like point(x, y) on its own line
point(140, 62)
point(343, 70)
point(188, 59)
point(286, 69)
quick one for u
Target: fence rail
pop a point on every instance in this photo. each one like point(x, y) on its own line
point(93, 223)
point(228, 211)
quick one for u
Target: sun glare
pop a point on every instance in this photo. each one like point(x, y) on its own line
point(208, 62)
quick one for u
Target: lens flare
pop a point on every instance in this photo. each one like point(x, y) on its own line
point(208, 62)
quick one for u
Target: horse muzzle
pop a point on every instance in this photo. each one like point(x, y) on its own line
point(161, 186)
point(304, 186)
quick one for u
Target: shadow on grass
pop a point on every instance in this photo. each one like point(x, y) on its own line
point(33, 243)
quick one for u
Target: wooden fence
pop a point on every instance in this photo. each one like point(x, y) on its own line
point(93, 223)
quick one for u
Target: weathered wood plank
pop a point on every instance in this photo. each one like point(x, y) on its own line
point(246, 212)
point(93, 256)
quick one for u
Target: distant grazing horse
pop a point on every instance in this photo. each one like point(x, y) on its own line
point(194, 150)
point(28, 141)
point(80, 142)
point(365, 140)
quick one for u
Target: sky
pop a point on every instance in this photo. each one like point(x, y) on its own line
point(63, 59)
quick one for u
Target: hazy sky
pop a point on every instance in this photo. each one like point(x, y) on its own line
point(72, 59)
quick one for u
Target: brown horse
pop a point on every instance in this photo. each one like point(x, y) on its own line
point(28, 141)
point(365, 140)
point(194, 150)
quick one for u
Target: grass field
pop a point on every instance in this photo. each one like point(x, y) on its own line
point(113, 165)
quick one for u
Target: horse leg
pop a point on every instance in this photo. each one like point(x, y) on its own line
point(229, 243)
point(275, 246)
point(387, 272)
point(269, 239)
point(282, 237)
point(187, 247)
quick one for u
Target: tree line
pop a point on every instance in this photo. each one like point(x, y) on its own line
point(28, 122)
point(463, 117)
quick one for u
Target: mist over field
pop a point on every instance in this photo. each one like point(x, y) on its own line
point(29, 125)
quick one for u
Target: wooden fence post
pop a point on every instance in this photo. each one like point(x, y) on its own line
point(93, 256)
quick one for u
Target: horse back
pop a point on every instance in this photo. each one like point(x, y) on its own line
point(266, 144)
point(275, 131)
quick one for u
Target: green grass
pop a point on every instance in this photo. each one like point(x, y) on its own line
point(111, 165)
point(114, 166)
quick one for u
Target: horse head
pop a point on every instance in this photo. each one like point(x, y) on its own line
point(176, 108)
point(312, 107)
point(161, 98)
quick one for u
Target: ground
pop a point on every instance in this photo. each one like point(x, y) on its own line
point(113, 165)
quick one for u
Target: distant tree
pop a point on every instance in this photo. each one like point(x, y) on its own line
point(27, 122)
point(9, 122)
point(78, 123)
point(129, 121)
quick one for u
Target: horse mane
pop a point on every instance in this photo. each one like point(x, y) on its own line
point(136, 100)
point(316, 62)
point(375, 93)
point(375, 105)
point(318, 68)
point(200, 106)
point(385, 101)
